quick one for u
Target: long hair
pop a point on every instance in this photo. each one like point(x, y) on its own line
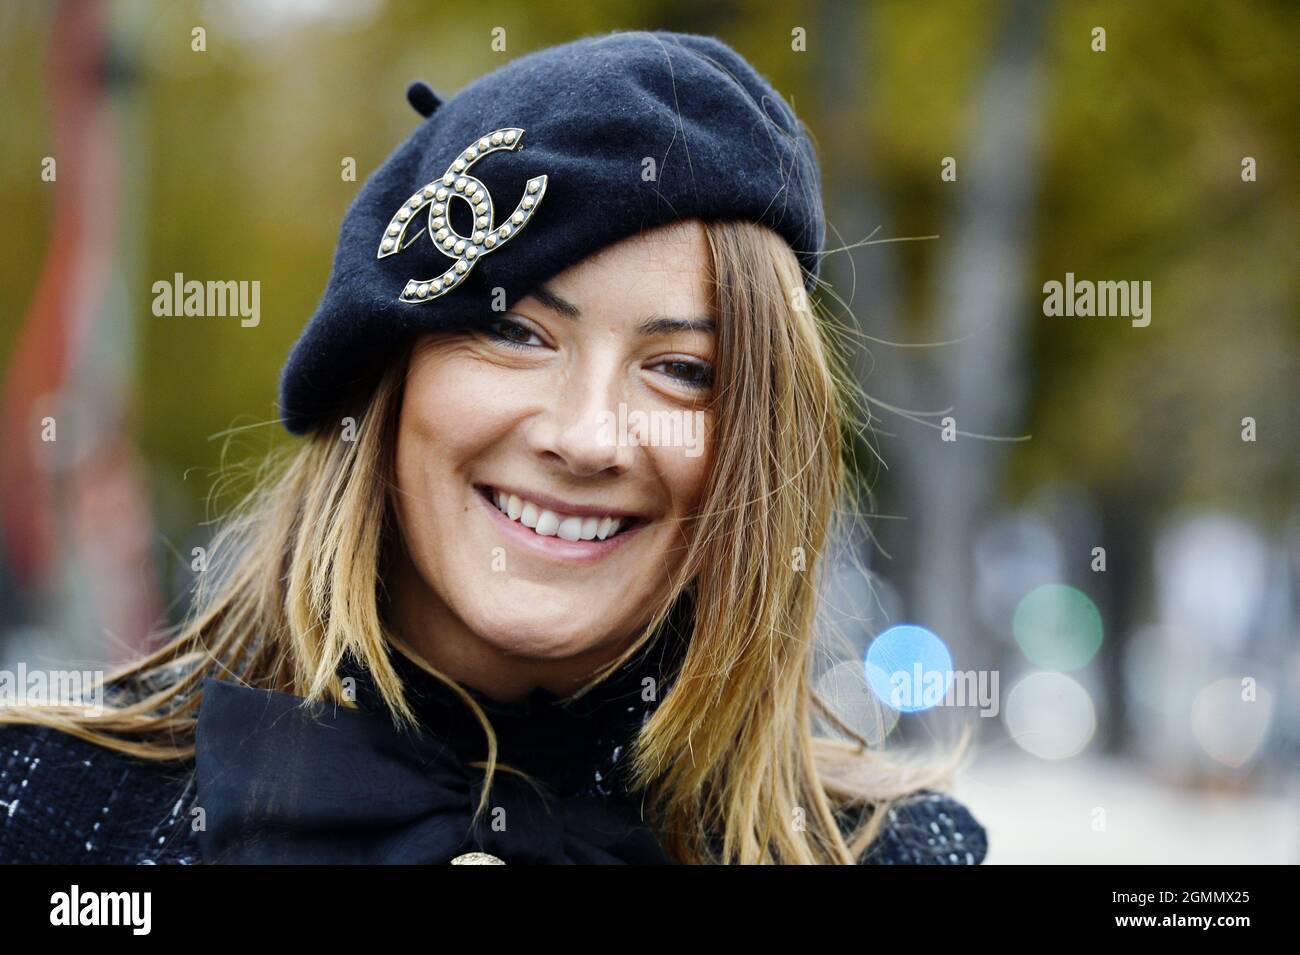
point(729, 758)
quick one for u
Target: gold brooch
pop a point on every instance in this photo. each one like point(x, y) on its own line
point(487, 236)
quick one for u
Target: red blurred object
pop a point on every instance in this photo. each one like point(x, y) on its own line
point(79, 495)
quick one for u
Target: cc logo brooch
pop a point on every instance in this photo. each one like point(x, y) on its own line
point(487, 236)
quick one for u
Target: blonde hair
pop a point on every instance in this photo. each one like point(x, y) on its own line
point(728, 758)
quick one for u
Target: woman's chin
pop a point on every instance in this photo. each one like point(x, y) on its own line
point(555, 631)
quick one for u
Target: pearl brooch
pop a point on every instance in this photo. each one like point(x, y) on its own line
point(486, 236)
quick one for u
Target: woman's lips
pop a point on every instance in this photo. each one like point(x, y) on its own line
point(557, 548)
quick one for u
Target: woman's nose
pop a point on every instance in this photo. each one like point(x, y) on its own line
point(584, 428)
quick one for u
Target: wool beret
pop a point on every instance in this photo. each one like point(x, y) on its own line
point(552, 156)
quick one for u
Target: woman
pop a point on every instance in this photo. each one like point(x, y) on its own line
point(540, 584)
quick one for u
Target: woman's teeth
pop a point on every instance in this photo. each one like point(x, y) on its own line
point(550, 524)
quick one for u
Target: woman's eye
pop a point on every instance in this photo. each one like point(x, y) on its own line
point(513, 334)
point(693, 374)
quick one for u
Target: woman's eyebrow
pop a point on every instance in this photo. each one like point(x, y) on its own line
point(663, 325)
point(555, 303)
point(652, 325)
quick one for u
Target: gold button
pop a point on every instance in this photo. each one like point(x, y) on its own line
point(477, 858)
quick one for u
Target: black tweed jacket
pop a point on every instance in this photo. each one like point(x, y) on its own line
point(63, 800)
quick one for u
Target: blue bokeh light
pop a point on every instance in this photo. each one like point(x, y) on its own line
point(909, 668)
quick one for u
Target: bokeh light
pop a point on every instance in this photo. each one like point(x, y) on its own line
point(1192, 592)
point(850, 698)
point(1230, 720)
point(1057, 627)
point(909, 668)
point(1050, 715)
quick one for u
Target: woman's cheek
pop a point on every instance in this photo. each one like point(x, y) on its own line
point(460, 396)
point(685, 467)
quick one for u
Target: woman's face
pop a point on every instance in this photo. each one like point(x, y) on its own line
point(548, 466)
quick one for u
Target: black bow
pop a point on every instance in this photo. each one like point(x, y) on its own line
point(279, 782)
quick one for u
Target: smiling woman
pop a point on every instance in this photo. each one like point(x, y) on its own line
point(502, 467)
point(543, 641)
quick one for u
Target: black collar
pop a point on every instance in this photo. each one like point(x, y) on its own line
point(571, 746)
point(284, 782)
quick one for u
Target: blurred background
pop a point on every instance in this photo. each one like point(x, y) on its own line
point(1101, 517)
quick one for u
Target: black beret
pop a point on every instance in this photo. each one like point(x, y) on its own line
point(560, 153)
